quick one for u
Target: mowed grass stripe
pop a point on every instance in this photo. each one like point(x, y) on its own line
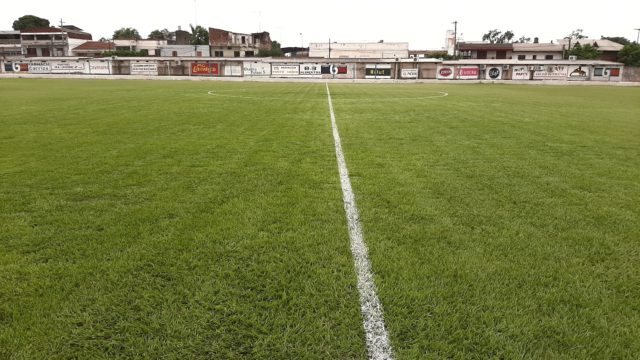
point(502, 221)
point(148, 219)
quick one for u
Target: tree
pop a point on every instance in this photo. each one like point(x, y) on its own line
point(586, 52)
point(576, 34)
point(497, 37)
point(630, 54)
point(523, 39)
point(275, 50)
point(126, 34)
point(617, 39)
point(199, 35)
point(30, 22)
point(163, 34)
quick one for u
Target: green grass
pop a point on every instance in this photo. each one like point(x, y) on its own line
point(503, 221)
point(148, 219)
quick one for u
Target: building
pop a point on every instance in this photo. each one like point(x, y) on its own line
point(608, 48)
point(10, 45)
point(535, 51)
point(484, 50)
point(51, 41)
point(185, 50)
point(225, 43)
point(363, 50)
point(92, 48)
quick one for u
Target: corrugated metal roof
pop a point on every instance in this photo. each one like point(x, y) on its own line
point(537, 47)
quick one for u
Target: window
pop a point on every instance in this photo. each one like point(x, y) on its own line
point(248, 53)
point(244, 40)
point(534, 57)
point(174, 53)
point(157, 52)
point(236, 54)
point(199, 53)
point(218, 53)
point(548, 57)
point(522, 57)
point(598, 71)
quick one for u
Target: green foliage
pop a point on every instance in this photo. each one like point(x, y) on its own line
point(163, 34)
point(577, 34)
point(275, 51)
point(29, 21)
point(126, 34)
point(497, 37)
point(585, 52)
point(618, 39)
point(630, 54)
point(125, 53)
point(523, 39)
point(199, 35)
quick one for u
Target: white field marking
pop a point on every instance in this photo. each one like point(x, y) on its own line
point(376, 334)
point(440, 94)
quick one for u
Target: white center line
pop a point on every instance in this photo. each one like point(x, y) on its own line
point(375, 331)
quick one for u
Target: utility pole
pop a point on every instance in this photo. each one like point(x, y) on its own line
point(638, 36)
point(329, 48)
point(455, 38)
point(61, 22)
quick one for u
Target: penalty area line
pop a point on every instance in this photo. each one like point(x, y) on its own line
point(377, 338)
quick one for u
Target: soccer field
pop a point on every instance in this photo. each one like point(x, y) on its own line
point(205, 220)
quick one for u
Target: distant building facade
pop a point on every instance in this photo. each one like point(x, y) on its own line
point(359, 50)
point(225, 43)
point(51, 41)
point(10, 45)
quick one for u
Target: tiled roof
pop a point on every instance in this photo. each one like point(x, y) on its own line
point(95, 46)
point(536, 47)
point(484, 46)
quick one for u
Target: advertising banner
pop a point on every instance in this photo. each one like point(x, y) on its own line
point(232, 70)
point(377, 71)
point(205, 69)
point(468, 72)
point(144, 68)
point(285, 70)
point(445, 72)
point(494, 73)
point(578, 72)
point(98, 67)
point(520, 73)
point(550, 72)
point(409, 73)
point(67, 67)
point(333, 69)
point(311, 70)
point(39, 67)
point(256, 69)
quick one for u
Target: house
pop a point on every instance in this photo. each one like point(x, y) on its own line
point(608, 48)
point(537, 51)
point(371, 50)
point(92, 48)
point(225, 43)
point(10, 45)
point(484, 50)
point(52, 41)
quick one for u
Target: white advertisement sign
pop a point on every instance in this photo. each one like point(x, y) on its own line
point(468, 72)
point(144, 68)
point(578, 72)
point(445, 72)
point(311, 70)
point(550, 72)
point(285, 70)
point(99, 67)
point(256, 69)
point(520, 73)
point(232, 70)
point(39, 67)
point(409, 73)
point(494, 73)
point(67, 67)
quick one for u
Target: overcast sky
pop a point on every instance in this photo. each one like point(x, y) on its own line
point(421, 23)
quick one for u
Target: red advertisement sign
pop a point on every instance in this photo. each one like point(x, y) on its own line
point(469, 72)
point(204, 69)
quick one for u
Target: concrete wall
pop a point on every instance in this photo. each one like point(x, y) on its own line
point(631, 73)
